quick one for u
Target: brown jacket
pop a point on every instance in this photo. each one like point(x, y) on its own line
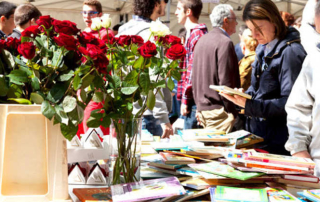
point(215, 63)
point(245, 70)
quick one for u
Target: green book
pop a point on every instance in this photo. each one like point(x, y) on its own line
point(224, 170)
point(236, 194)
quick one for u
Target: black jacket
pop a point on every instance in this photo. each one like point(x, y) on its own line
point(270, 90)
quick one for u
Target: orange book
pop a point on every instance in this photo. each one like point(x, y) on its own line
point(93, 194)
point(277, 167)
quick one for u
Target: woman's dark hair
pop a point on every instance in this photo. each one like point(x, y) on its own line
point(265, 10)
point(144, 8)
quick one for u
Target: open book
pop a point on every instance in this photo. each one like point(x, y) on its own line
point(229, 90)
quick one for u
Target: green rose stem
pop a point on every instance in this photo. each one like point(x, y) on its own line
point(55, 67)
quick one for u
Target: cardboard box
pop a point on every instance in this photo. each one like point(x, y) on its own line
point(33, 156)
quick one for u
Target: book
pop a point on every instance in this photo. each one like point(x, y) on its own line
point(147, 190)
point(247, 141)
point(186, 155)
point(281, 159)
point(212, 194)
point(229, 91)
point(314, 192)
point(174, 159)
point(277, 166)
point(200, 132)
point(206, 138)
point(280, 195)
point(163, 170)
point(93, 194)
point(162, 164)
point(147, 173)
point(304, 178)
point(309, 196)
point(298, 183)
point(187, 171)
point(235, 194)
point(224, 170)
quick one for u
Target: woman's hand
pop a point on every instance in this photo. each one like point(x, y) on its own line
point(236, 99)
point(303, 154)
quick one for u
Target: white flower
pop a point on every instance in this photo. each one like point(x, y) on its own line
point(96, 24)
point(157, 28)
point(106, 21)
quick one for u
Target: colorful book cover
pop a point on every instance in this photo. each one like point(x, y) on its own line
point(235, 194)
point(93, 194)
point(279, 195)
point(224, 170)
point(281, 159)
point(314, 192)
point(147, 190)
point(308, 196)
point(174, 159)
point(162, 164)
point(212, 194)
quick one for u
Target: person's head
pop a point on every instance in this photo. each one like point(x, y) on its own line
point(150, 9)
point(287, 18)
point(26, 15)
point(7, 17)
point(115, 28)
point(223, 16)
point(317, 17)
point(264, 20)
point(182, 35)
point(248, 42)
point(188, 8)
point(91, 9)
point(297, 23)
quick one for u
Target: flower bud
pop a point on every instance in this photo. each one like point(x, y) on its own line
point(157, 28)
point(106, 21)
point(96, 24)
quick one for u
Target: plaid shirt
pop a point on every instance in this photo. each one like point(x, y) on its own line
point(184, 91)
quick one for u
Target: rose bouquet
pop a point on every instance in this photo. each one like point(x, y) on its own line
point(63, 69)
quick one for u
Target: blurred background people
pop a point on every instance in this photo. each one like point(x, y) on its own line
point(237, 47)
point(278, 63)
point(287, 18)
point(248, 46)
point(24, 16)
point(6, 18)
point(215, 63)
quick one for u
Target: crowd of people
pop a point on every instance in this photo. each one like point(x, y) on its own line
point(275, 62)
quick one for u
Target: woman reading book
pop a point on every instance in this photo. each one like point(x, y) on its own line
point(274, 71)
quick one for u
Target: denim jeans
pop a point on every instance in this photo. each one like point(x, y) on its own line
point(152, 125)
point(190, 121)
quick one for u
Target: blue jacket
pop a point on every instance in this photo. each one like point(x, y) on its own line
point(270, 90)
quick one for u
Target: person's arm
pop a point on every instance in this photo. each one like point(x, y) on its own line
point(292, 60)
point(299, 108)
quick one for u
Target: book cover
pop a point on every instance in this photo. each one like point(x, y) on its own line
point(162, 164)
point(297, 183)
point(314, 192)
point(212, 194)
point(303, 178)
point(281, 159)
point(200, 132)
point(223, 193)
point(147, 190)
point(224, 170)
point(308, 196)
point(147, 173)
point(280, 195)
point(274, 166)
point(229, 91)
point(174, 159)
point(93, 194)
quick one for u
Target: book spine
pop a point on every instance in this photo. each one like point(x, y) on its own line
point(264, 160)
point(301, 178)
point(253, 165)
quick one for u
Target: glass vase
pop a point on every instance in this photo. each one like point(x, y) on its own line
point(125, 150)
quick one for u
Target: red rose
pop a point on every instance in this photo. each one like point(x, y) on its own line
point(45, 20)
point(101, 64)
point(172, 40)
point(101, 44)
point(124, 40)
point(2, 44)
point(65, 26)
point(67, 41)
point(12, 43)
point(148, 50)
point(94, 51)
point(31, 31)
point(137, 39)
point(109, 39)
point(176, 51)
point(27, 49)
point(160, 39)
point(86, 37)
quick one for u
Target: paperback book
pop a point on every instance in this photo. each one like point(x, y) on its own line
point(229, 91)
point(235, 194)
point(280, 195)
point(174, 159)
point(147, 190)
point(93, 194)
point(224, 170)
point(303, 178)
